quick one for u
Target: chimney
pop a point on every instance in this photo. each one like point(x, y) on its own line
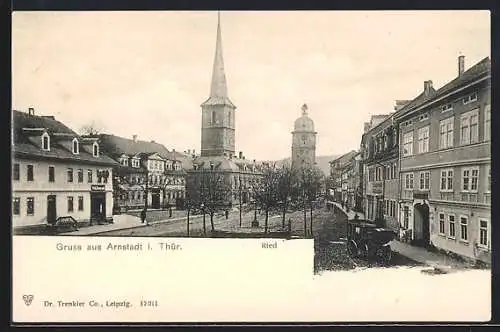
point(31, 111)
point(427, 87)
point(461, 65)
point(240, 155)
point(134, 138)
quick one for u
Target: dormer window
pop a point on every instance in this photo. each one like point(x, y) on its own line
point(45, 142)
point(95, 150)
point(76, 148)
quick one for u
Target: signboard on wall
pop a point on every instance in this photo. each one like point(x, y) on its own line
point(97, 187)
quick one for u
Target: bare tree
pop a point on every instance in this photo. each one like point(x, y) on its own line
point(284, 189)
point(209, 191)
point(91, 129)
point(312, 182)
point(265, 192)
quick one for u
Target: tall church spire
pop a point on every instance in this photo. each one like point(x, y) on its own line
point(219, 85)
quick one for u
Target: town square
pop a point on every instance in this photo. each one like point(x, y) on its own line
point(381, 161)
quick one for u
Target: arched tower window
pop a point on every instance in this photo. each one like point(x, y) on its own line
point(76, 149)
point(229, 119)
point(212, 119)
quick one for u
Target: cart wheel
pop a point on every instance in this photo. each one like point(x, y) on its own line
point(365, 251)
point(352, 248)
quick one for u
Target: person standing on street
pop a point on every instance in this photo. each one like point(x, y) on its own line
point(143, 215)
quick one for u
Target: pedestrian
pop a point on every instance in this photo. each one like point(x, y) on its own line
point(227, 214)
point(143, 215)
point(356, 217)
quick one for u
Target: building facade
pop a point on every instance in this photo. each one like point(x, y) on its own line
point(57, 173)
point(381, 173)
point(147, 173)
point(303, 142)
point(445, 160)
point(338, 175)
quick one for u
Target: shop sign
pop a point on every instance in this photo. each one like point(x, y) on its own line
point(97, 187)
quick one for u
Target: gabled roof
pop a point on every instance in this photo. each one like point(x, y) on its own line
point(117, 145)
point(25, 145)
point(480, 69)
point(345, 157)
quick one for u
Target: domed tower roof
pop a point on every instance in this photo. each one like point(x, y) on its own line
point(304, 123)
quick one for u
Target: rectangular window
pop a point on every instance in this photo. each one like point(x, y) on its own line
point(70, 175)
point(487, 122)
point(425, 180)
point(463, 228)
point(446, 108)
point(469, 127)
point(408, 144)
point(29, 172)
point(80, 203)
point(51, 174)
point(451, 224)
point(409, 181)
point(474, 179)
point(16, 172)
point(483, 233)
point(80, 175)
point(446, 180)
point(423, 140)
point(446, 133)
point(30, 206)
point(488, 179)
point(470, 177)
point(70, 203)
point(16, 206)
point(89, 176)
point(470, 98)
point(441, 223)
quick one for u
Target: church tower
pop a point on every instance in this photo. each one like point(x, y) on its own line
point(304, 141)
point(218, 116)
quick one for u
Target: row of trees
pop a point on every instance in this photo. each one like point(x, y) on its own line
point(277, 189)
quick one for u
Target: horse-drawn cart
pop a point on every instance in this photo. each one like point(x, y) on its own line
point(366, 240)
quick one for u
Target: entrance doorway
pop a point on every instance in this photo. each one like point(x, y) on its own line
point(421, 225)
point(97, 207)
point(51, 209)
point(155, 199)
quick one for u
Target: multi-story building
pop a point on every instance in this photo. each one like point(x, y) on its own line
point(445, 163)
point(351, 182)
point(381, 174)
point(338, 175)
point(57, 173)
point(146, 173)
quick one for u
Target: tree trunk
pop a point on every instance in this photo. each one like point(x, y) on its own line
point(204, 225)
point(188, 211)
point(311, 222)
point(212, 220)
point(284, 217)
point(305, 221)
point(267, 218)
point(240, 208)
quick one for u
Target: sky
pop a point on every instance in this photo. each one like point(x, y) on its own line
point(146, 73)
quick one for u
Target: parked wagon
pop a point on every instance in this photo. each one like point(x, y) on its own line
point(366, 240)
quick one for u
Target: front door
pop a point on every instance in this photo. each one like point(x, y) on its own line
point(51, 209)
point(155, 200)
point(421, 225)
point(97, 207)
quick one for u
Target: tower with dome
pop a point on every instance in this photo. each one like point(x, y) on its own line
point(304, 141)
